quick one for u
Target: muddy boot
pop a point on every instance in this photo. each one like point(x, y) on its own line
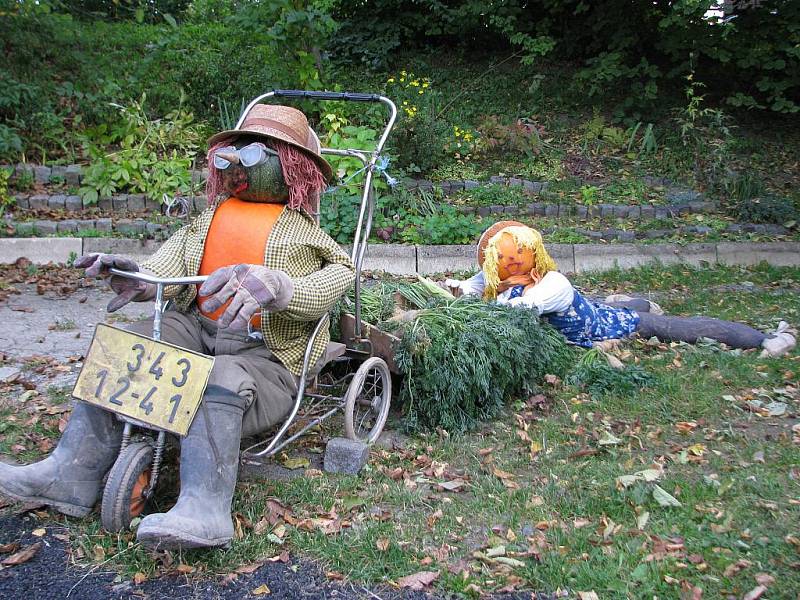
point(209, 463)
point(70, 479)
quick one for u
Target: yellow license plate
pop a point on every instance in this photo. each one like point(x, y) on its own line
point(153, 382)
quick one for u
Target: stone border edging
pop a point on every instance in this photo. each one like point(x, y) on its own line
point(141, 203)
point(682, 201)
point(401, 259)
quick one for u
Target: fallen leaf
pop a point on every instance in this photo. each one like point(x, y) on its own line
point(261, 590)
point(685, 426)
point(299, 462)
point(664, 498)
point(579, 522)
point(39, 532)
point(185, 569)
point(764, 579)
point(139, 578)
point(641, 520)
point(248, 569)
point(733, 568)
point(282, 557)
point(438, 514)
point(418, 581)
point(382, 544)
point(12, 547)
point(22, 556)
point(776, 409)
point(697, 449)
point(452, 486)
point(588, 595)
point(755, 593)
point(608, 439)
point(500, 474)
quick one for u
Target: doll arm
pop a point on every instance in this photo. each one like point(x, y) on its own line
point(316, 293)
point(469, 287)
point(554, 293)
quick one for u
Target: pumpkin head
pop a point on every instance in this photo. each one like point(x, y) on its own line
point(273, 157)
point(513, 250)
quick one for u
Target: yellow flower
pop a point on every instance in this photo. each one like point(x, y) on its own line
point(390, 80)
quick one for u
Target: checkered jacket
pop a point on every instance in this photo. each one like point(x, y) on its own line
point(319, 268)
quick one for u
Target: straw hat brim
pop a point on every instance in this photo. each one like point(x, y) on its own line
point(490, 233)
point(270, 133)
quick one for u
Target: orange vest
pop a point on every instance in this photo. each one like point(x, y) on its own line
point(238, 234)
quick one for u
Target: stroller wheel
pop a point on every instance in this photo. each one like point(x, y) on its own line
point(367, 401)
point(124, 495)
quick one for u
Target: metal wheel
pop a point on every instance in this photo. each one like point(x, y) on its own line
point(124, 495)
point(367, 401)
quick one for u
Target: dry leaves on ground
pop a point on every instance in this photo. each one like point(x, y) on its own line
point(418, 581)
point(22, 556)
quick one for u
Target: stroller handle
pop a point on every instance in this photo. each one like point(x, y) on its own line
point(350, 96)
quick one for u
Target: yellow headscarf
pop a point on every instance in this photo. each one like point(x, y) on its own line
point(525, 237)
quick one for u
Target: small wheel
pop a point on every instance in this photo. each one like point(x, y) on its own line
point(367, 401)
point(123, 496)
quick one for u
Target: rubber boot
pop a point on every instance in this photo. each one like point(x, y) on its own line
point(70, 479)
point(209, 463)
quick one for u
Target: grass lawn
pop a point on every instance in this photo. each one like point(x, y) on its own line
point(687, 488)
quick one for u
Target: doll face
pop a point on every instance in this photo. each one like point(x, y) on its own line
point(512, 259)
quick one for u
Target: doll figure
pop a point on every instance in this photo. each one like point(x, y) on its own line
point(517, 270)
point(272, 273)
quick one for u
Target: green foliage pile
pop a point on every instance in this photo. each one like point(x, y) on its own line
point(599, 379)
point(462, 360)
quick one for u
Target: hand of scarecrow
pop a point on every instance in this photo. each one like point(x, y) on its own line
point(126, 289)
point(250, 288)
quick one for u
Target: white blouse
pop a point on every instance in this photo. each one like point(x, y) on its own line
point(554, 293)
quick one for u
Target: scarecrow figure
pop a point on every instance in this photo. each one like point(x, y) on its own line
point(517, 270)
point(272, 274)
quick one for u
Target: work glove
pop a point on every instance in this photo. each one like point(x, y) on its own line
point(126, 290)
point(250, 289)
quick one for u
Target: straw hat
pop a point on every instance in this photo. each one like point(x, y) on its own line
point(281, 123)
point(490, 233)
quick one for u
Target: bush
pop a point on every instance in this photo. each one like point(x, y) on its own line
point(764, 209)
point(153, 156)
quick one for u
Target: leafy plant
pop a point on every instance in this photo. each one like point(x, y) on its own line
point(588, 195)
point(593, 373)
point(706, 133)
point(766, 208)
point(153, 155)
point(598, 132)
point(6, 199)
point(498, 138)
point(647, 144)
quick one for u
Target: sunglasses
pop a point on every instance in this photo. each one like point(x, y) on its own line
point(249, 156)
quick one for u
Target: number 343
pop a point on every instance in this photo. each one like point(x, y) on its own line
point(156, 370)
